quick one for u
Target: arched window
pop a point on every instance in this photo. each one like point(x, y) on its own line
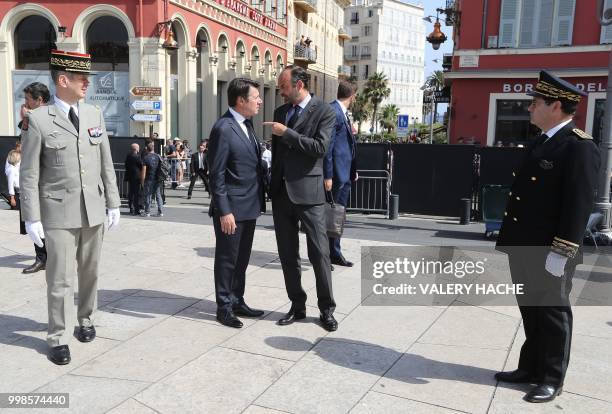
point(107, 40)
point(34, 40)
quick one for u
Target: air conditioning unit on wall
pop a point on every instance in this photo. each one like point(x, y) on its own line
point(492, 42)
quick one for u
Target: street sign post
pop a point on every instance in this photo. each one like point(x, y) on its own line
point(146, 117)
point(147, 105)
point(402, 126)
point(146, 91)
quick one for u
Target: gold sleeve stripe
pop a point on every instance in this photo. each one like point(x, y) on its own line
point(564, 247)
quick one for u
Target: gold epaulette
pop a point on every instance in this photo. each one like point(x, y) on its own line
point(564, 247)
point(581, 133)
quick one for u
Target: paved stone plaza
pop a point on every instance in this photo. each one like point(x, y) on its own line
point(160, 350)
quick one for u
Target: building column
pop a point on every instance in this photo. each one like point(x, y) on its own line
point(136, 79)
point(259, 118)
point(188, 106)
point(209, 96)
point(154, 62)
point(7, 126)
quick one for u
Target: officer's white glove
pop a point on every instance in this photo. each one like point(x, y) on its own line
point(35, 231)
point(113, 218)
point(555, 264)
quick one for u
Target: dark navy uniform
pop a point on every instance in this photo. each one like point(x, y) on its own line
point(547, 211)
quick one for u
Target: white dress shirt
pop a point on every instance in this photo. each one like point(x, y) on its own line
point(65, 107)
point(12, 176)
point(240, 119)
point(556, 129)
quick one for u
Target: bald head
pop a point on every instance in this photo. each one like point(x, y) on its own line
point(135, 148)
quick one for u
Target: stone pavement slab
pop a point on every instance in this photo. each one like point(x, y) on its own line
point(160, 350)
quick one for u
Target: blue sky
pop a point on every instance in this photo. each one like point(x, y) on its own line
point(446, 47)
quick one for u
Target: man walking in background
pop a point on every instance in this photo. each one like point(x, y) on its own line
point(339, 163)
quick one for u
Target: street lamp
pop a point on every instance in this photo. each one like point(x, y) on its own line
point(437, 37)
point(602, 203)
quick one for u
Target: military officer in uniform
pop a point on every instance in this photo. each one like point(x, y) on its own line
point(545, 219)
point(67, 184)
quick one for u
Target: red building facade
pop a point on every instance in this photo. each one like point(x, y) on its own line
point(500, 47)
point(217, 41)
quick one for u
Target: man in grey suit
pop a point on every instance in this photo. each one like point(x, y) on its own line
point(67, 183)
point(302, 130)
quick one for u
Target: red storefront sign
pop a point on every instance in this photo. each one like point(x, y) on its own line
point(241, 8)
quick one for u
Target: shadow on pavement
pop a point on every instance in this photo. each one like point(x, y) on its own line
point(418, 370)
point(15, 261)
point(11, 326)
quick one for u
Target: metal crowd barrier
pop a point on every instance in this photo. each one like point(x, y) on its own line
point(370, 193)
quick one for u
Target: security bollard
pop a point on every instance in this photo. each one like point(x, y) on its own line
point(466, 207)
point(393, 206)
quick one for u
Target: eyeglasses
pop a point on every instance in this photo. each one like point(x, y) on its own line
point(253, 97)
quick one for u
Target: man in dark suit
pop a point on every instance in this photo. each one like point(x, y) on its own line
point(546, 215)
point(199, 168)
point(133, 168)
point(302, 129)
point(339, 162)
point(237, 190)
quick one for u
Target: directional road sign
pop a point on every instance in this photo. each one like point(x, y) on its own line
point(147, 105)
point(146, 91)
point(146, 117)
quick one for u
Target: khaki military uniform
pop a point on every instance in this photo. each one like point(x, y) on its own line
point(67, 182)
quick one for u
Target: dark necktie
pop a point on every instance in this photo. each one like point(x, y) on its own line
point(251, 130)
point(74, 118)
point(294, 117)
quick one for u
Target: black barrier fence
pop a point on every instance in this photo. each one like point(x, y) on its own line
point(432, 179)
point(429, 179)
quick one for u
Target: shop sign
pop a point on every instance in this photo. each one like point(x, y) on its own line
point(241, 8)
point(528, 87)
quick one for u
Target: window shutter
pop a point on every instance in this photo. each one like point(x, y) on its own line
point(564, 22)
point(509, 23)
point(606, 31)
point(528, 18)
point(545, 23)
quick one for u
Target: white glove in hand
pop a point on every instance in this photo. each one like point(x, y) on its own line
point(35, 231)
point(555, 264)
point(113, 218)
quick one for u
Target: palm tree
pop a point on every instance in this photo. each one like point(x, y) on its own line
point(376, 89)
point(389, 114)
point(361, 110)
point(434, 82)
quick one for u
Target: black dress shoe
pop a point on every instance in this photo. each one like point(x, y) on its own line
point(292, 316)
point(38, 265)
point(189, 197)
point(518, 376)
point(328, 321)
point(86, 333)
point(244, 310)
point(341, 261)
point(227, 318)
point(59, 355)
point(543, 393)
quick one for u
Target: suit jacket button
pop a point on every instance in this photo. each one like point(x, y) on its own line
point(533, 178)
point(514, 218)
point(518, 198)
point(505, 213)
point(510, 193)
point(84, 186)
point(513, 174)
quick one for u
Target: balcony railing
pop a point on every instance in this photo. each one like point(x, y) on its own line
point(354, 21)
point(344, 70)
point(350, 56)
point(344, 33)
point(309, 6)
point(304, 53)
